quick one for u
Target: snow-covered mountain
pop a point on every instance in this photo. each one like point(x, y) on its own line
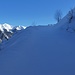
point(9, 27)
point(5, 26)
point(7, 30)
point(19, 27)
point(40, 50)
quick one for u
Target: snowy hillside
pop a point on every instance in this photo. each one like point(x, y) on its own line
point(68, 22)
point(40, 50)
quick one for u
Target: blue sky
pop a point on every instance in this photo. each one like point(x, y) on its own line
point(25, 12)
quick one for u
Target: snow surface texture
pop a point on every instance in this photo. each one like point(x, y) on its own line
point(40, 50)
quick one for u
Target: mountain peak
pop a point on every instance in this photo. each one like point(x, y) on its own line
point(6, 30)
point(5, 26)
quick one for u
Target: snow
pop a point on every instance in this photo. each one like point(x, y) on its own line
point(5, 26)
point(40, 50)
point(7, 30)
point(9, 27)
point(19, 27)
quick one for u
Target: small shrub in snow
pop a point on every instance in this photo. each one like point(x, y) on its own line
point(58, 15)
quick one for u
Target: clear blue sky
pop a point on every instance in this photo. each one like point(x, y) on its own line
point(25, 12)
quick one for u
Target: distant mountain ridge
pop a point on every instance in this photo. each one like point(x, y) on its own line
point(7, 30)
point(9, 27)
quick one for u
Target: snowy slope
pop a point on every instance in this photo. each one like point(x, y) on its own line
point(39, 51)
point(64, 22)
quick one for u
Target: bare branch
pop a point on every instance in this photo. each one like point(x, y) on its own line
point(58, 15)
